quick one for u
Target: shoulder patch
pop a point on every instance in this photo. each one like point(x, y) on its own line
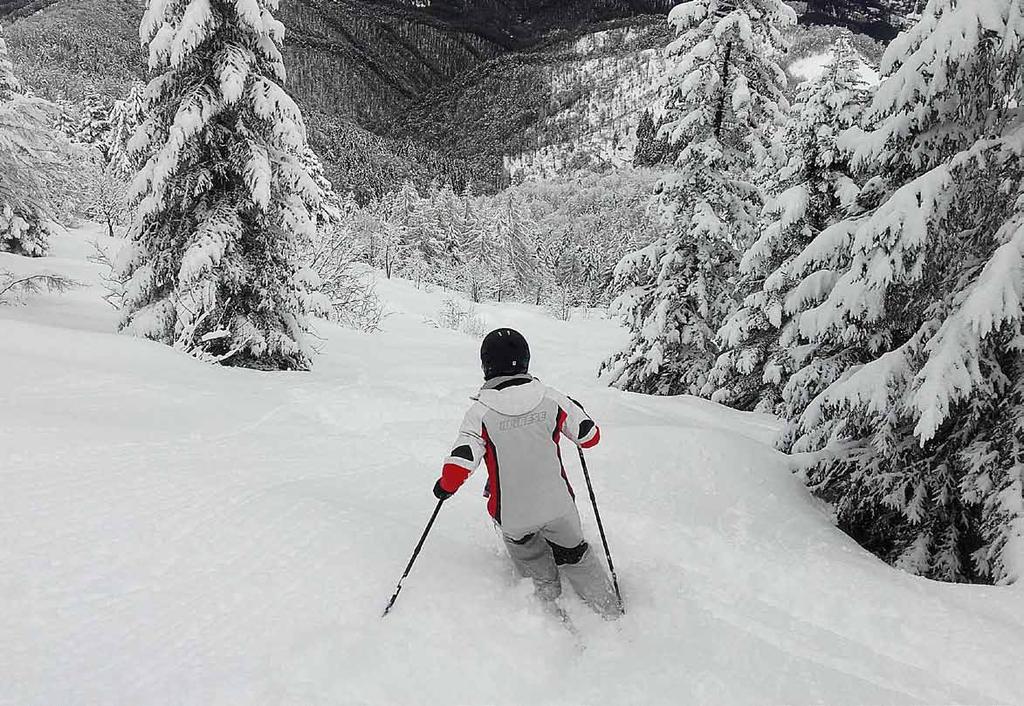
point(463, 452)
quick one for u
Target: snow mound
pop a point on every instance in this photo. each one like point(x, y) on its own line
point(181, 533)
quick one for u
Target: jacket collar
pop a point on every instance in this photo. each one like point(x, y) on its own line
point(503, 381)
point(513, 395)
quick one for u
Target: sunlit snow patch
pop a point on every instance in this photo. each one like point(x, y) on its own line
point(812, 67)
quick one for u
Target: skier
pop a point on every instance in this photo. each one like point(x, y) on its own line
point(514, 427)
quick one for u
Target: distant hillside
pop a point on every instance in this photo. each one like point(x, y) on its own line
point(369, 166)
point(361, 59)
point(576, 104)
point(567, 90)
point(345, 69)
point(603, 87)
point(343, 60)
point(75, 47)
point(456, 90)
point(352, 64)
point(574, 101)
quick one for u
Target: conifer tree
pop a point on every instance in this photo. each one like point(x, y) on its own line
point(478, 250)
point(447, 222)
point(125, 118)
point(109, 192)
point(544, 279)
point(816, 188)
point(416, 217)
point(93, 124)
point(515, 240)
point(728, 91)
point(920, 446)
point(28, 165)
point(223, 200)
point(331, 211)
point(646, 153)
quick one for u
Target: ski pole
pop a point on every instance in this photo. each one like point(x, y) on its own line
point(412, 560)
point(600, 528)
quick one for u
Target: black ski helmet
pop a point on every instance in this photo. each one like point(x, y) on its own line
point(504, 352)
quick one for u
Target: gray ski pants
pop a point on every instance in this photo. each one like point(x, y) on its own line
point(559, 547)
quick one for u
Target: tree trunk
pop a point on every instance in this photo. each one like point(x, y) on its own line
point(720, 111)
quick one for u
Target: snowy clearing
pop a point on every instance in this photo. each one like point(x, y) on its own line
point(181, 533)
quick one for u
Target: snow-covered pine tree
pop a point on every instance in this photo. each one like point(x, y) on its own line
point(27, 164)
point(727, 94)
point(400, 232)
point(516, 241)
point(478, 250)
point(652, 144)
point(125, 118)
point(543, 281)
point(447, 219)
point(223, 200)
point(815, 190)
point(575, 265)
point(92, 124)
point(415, 215)
point(647, 141)
point(332, 209)
point(923, 455)
point(108, 190)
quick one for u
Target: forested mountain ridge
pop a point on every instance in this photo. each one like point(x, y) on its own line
point(355, 58)
point(551, 95)
point(354, 63)
point(352, 66)
point(383, 82)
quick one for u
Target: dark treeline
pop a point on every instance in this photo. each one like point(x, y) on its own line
point(511, 24)
point(20, 8)
point(366, 58)
point(879, 19)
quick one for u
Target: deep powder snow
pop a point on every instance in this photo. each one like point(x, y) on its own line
point(180, 533)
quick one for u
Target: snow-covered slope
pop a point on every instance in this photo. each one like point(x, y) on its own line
point(179, 533)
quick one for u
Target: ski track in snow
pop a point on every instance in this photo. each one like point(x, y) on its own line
point(175, 533)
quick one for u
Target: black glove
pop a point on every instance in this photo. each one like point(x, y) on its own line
point(440, 493)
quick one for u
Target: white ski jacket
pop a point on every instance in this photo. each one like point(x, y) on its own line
point(514, 427)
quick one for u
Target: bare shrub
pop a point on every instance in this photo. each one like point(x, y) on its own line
point(346, 283)
point(114, 284)
point(12, 287)
point(460, 316)
point(560, 303)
